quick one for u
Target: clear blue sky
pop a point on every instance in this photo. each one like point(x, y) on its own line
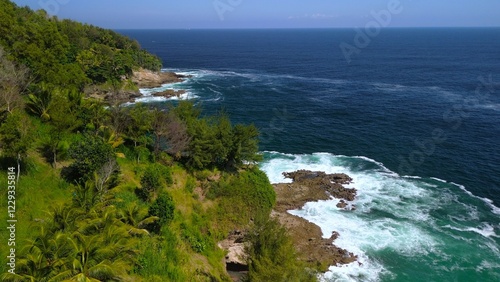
point(269, 13)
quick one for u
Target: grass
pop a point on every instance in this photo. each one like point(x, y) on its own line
point(37, 192)
point(187, 248)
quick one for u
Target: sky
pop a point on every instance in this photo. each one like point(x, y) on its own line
point(184, 14)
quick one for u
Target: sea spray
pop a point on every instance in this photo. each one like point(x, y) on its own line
point(428, 226)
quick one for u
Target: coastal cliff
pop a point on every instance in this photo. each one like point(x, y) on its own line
point(128, 91)
point(144, 78)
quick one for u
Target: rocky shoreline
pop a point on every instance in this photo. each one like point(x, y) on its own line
point(148, 79)
point(308, 186)
point(141, 78)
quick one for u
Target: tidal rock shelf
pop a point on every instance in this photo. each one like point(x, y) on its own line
point(309, 186)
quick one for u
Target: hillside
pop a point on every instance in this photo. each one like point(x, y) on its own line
point(120, 193)
point(67, 53)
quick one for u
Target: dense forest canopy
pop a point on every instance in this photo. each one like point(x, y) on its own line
point(67, 53)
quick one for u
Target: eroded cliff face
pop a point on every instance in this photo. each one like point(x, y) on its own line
point(148, 79)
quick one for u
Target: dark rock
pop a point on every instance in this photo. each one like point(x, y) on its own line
point(169, 93)
point(331, 183)
point(342, 204)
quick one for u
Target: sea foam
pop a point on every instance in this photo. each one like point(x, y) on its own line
point(403, 216)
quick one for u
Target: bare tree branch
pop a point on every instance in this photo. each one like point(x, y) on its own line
point(103, 176)
point(14, 80)
point(170, 134)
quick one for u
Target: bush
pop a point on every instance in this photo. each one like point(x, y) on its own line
point(90, 154)
point(244, 196)
point(252, 186)
point(155, 176)
point(163, 208)
point(190, 184)
point(151, 179)
point(272, 256)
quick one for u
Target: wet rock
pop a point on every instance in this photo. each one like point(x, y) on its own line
point(331, 183)
point(311, 186)
point(169, 93)
point(342, 204)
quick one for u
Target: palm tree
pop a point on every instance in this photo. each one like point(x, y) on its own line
point(64, 218)
point(90, 261)
point(44, 257)
point(40, 101)
point(137, 219)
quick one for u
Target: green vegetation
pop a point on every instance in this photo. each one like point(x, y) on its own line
point(67, 53)
point(120, 193)
point(273, 256)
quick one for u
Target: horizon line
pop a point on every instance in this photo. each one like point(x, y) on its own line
point(295, 28)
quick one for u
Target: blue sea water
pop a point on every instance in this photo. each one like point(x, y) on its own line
point(414, 118)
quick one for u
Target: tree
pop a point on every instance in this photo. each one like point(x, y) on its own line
point(14, 80)
point(90, 154)
point(199, 154)
point(137, 219)
point(163, 208)
point(170, 133)
point(16, 137)
point(245, 145)
point(103, 178)
point(63, 115)
point(94, 260)
point(138, 128)
point(222, 140)
point(151, 179)
point(40, 100)
point(155, 176)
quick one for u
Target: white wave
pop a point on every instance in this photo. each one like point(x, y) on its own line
point(391, 87)
point(377, 193)
point(191, 73)
point(153, 99)
point(253, 75)
point(486, 230)
point(494, 209)
point(487, 265)
point(363, 270)
point(168, 86)
point(393, 213)
point(440, 180)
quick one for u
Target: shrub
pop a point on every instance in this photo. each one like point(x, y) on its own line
point(163, 208)
point(243, 196)
point(151, 179)
point(272, 256)
point(154, 177)
point(90, 154)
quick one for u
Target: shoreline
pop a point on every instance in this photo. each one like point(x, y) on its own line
point(146, 79)
point(309, 186)
point(141, 79)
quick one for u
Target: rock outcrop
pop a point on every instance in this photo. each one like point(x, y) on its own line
point(311, 186)
point(169, 93)
point(148, 79)
point(331, 183)
point(112, 97)
point(236, 258)
point(142, 79)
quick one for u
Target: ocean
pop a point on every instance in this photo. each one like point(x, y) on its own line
point(412, 115)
